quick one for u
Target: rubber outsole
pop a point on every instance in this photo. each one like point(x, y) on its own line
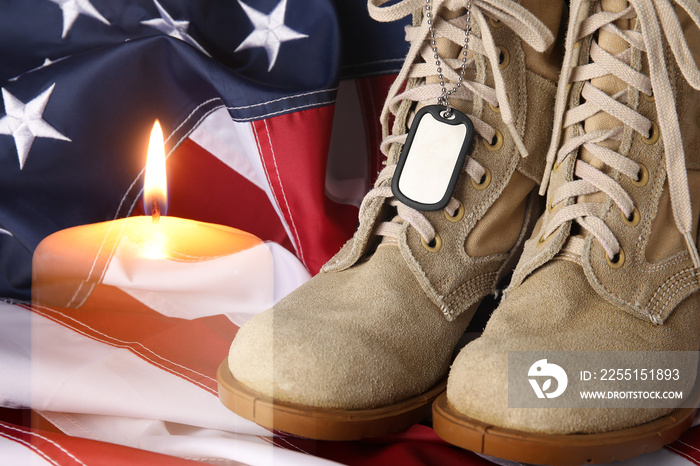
point(322, 423)
point(557, 450)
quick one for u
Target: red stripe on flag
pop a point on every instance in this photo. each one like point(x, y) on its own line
point(60, 449)
point(294, 151)
point(688, 446)
point(417, 446)
point(202, 187)
point(175, 345)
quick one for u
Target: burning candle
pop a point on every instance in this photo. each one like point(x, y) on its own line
point(156, 182)
point(172, 264)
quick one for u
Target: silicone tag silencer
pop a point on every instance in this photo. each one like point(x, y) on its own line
point(432, 158)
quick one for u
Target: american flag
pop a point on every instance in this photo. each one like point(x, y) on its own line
point(245, 91)
point(270, 109)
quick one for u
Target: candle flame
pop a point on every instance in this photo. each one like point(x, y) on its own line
point(156, 182)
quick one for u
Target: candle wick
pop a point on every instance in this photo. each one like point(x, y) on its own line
point(155, 211)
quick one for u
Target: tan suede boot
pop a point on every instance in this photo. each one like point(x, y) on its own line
point(364, 347)
point(612, 264)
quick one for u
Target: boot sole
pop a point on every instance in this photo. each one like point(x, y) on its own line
point(322, 423)
point(557, 449)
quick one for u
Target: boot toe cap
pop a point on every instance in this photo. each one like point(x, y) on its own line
point(304, 363)
point(478, 388)
point(362, 338)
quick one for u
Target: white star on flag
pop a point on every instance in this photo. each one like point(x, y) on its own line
point(74, 8)
point(25, 122)
point(174, 28)
point(270, 31)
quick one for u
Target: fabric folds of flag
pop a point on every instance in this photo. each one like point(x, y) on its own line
point(270, 109)
point(245, 91)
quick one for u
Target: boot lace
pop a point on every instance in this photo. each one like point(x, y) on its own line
point(653, 16)
point(420, 64)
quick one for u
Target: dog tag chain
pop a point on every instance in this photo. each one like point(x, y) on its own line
point(436, 145)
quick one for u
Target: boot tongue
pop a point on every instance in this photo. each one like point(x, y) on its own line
point(610, 84)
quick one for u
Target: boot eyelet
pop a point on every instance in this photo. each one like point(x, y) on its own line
point(484, 182)
point(544, 237)
point(650, 97)
point(634, 220)
point(653, 135)
point(496, 23)
point(459, 214)
point(617, 261)
point(503, 57)
point(550, 207)
point(577, 44)
point(642, 177)
point(496, 143)
point(434, 245)
point(495, 108)
point(556, 167)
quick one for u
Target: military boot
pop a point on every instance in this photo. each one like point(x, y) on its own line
point(611, 269)
point(364, 347)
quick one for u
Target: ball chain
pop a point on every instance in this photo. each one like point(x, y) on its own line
point(443, 99)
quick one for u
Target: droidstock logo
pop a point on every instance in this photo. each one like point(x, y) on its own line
point(545, 372)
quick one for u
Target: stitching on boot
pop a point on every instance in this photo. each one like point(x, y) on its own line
point(481, 282)
point(668, 289)
point(666, 305)
point(678, 257)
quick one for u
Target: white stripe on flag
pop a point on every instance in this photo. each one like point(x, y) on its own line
point(205, 445)
point(49, 367)
point(16, 452)
point(238, 286)
point(232, 143)
point(240, 282)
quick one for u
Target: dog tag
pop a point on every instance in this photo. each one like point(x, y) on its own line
point(432, 158)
